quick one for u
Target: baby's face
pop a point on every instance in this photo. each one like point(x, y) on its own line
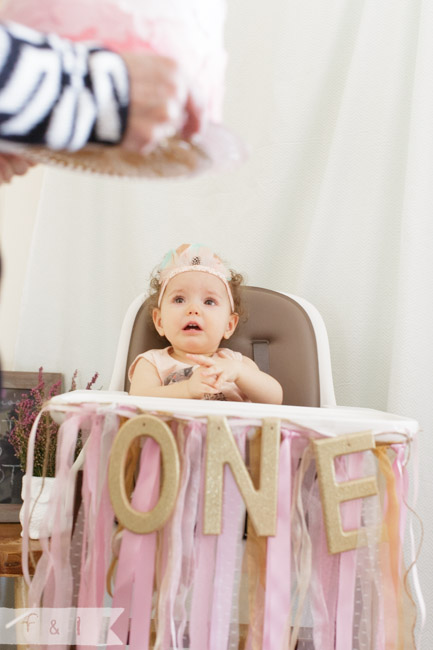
point(195, 313)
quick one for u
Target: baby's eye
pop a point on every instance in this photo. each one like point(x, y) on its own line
point(178, 299)
point(210, 301)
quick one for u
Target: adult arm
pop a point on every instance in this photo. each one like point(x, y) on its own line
point(60, 94)
point(63, 95)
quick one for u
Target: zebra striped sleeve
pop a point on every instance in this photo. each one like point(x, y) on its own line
point(60, 94)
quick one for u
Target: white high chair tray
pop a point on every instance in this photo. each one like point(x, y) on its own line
point(327, 421)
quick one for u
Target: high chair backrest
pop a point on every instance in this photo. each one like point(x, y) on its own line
point(285, 335)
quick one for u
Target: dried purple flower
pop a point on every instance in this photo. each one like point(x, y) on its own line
point(23, 417)
point(92, 381)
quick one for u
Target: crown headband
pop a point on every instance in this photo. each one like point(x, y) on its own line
point(192, 257)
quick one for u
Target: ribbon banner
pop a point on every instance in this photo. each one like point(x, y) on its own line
point(226, 534)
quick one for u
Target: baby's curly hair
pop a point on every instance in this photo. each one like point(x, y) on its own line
point(235, 283)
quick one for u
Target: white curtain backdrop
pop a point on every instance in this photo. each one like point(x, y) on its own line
point(335, 203)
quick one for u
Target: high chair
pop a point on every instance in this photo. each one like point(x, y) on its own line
point(304, 545)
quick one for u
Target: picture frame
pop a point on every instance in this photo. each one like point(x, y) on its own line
point(14, 385)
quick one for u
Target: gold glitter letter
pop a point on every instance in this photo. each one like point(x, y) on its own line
point(143, 522)
point(333, 493)
point(221, 449)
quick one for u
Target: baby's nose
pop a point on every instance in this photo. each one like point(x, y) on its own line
point(193, 308)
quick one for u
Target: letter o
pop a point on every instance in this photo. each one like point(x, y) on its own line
point(134, 520)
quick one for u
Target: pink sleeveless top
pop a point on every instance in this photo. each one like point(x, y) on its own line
point(171, 370)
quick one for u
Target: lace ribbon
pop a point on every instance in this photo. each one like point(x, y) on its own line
point(351, 519)
point(278, 586)
point(301, 544)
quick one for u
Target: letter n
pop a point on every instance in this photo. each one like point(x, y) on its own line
point(261, 503)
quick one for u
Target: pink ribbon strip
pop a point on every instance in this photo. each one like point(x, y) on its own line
point(89, 559)
point(324, 578)
point(173, 567)
point(136, 564)
point(278, 570)
point(226, 555)
point(193, 460)
point(201, 604)
point(105, 513)
point(401, 488)
point(145, 497)
point(99, 518)
point(62, 527)
point(53, 578)
point(351, 519)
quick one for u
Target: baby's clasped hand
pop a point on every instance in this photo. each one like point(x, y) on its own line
point(199, 384)
point(217, 371)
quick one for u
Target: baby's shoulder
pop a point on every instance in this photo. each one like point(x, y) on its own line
point(157, 353)
point(155, 357)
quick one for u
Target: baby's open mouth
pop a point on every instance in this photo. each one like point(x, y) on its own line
point(192, 326)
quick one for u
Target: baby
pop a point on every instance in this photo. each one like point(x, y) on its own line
point(196, 305)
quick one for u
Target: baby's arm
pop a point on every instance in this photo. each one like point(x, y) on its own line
point(258, 386)
point(145, 381)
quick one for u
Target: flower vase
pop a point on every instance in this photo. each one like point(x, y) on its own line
point(40, 493)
